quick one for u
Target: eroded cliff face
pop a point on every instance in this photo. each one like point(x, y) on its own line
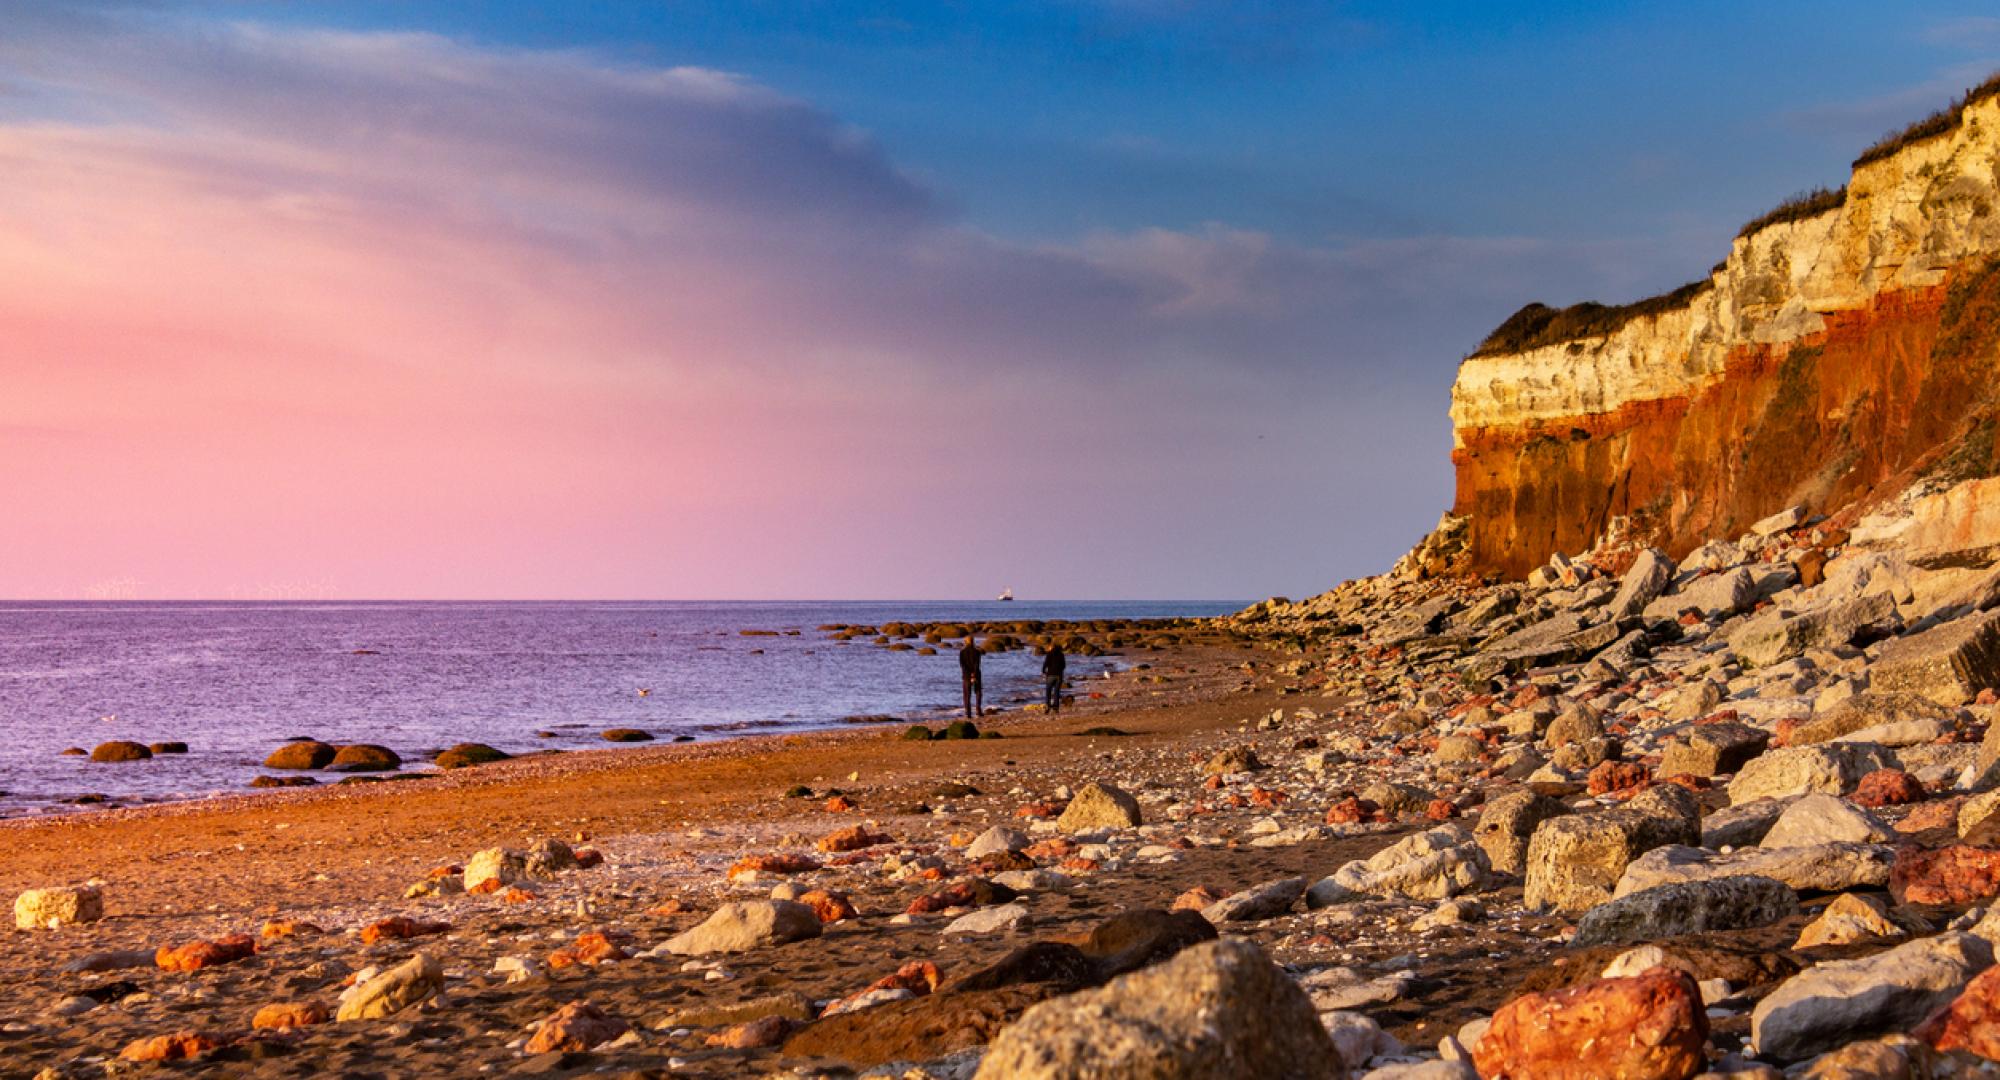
point(1832, 361)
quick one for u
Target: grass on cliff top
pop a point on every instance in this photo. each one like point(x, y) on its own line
point(1539, 325)
point(1941, 122)
point(1797, 208)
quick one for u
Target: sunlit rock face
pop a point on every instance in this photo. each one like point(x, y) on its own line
point(1830, 361)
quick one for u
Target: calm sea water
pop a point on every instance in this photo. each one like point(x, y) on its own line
point(234, 680)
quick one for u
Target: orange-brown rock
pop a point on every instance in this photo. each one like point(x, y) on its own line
point(1958, 874)
point(1649, 1027)
point(1887, 787)
point(841, 804)
point(576, 1026)
point(285, 1015)
point(917, 976)
point(853, 838)
point(1622, 777)
point(773, 864)
point(1197, 898)
point(400, 928)
point(974, 892)
point(1971, 1022)
point(179, 1046)
point(196, 955)
point(589, 949)
point(284, 928)
point(831, 907)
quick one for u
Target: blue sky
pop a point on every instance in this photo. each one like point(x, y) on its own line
point(1116, 298)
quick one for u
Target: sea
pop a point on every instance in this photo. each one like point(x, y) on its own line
point(235, 680)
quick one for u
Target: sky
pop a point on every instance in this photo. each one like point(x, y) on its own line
point(750, 299)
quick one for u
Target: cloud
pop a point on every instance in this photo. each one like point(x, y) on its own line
point(418, 317)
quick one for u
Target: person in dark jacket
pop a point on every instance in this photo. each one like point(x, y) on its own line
point(1053, 666)
point(968, 671)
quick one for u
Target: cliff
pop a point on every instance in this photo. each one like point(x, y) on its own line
point(1843, 352)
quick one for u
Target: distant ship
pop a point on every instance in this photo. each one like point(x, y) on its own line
point(1005, 594)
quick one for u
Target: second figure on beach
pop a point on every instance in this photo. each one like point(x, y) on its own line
point(1053, 666)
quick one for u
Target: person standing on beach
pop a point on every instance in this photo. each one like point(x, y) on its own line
point(968, 671)
point(1053, 665)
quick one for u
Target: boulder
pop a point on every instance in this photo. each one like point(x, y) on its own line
point(1959, 526)
point(1834, 769)
point(394, 990)
point(121, 750)
point(494, 868)
point(1430, 865)
point(577, 1026)
point(365, 757)
point(1575, 724)
point(302, 754)
point(1724, 593)
point(747, 924)
point(1971, 1022)
point(1823, 868)
point(1850, 918)
point(1712, 749)
point(1458, 750)
point(1508, 821)
point(1959, 874)
point(988, 920)
point(1888, 787)
point(1396, 799)
point(997, 840)
point(1643, 583)
point(1836, 1001)
point(1575, 862)
point(1266, 901)
point(1824, 819)
point(548, 857)
point(1688, 907)
point(1742, 825)
point(467, 754)
point(1100, 806)
point(1649, 1027)
point(1359, 1039)
point(1231, 760)
point(1868, 709)
point(64, 905)
point(286, 1015)
point(1949, 664)
point(1217, 1009)
point(1778, 636)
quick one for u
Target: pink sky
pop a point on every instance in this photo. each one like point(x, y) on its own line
point(378, 315)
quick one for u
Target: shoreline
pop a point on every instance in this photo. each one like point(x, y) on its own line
point(700, 781)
